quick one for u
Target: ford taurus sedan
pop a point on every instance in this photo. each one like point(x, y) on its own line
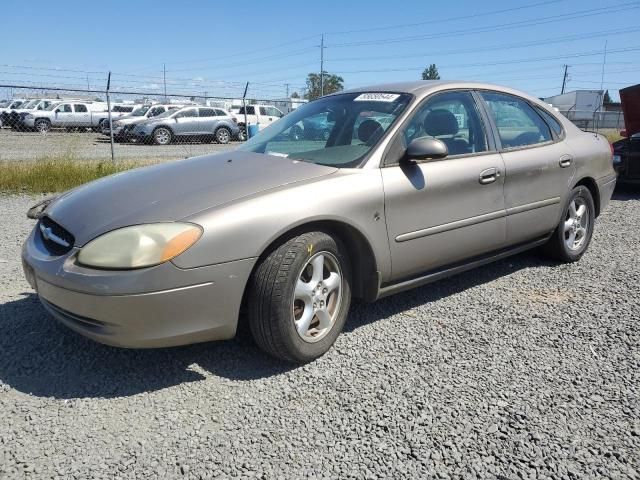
point(414, 182)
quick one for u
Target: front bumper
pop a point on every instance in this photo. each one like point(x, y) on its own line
point(152, 307)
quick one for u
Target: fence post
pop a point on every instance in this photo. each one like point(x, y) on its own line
point(244, 107)
point(109, 113)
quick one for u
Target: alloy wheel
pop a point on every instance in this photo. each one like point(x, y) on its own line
point(317, 297)
point(576, 224)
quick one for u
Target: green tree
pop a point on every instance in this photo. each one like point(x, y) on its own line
point(607, 97)
point(295, 95)
point(431, 73)
point(332, 83)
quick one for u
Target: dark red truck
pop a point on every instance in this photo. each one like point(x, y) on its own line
point(627, 151)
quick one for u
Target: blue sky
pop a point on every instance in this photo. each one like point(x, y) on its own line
point(215, 47)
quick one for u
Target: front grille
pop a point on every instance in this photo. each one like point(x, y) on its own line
point(55, 238)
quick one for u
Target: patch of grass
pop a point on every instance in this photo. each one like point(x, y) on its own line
point(56, 174)
point(612, 135)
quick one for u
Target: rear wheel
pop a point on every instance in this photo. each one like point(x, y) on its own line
point(573, 235)
point(223, 135)
point(242, 135)
point(299, 296)
point(42, 125)
point(162, 136)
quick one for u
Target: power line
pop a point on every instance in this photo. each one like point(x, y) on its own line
point(547, 41)
point(445, 20)
point(504, 62)
point(502, 26)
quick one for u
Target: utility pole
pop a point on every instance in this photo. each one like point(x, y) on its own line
point(164, 78)
point(604, 61)
point(286, 85)
point(322, 65)
point(564, 79)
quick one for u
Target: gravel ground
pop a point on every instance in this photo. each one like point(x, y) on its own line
point(93, 146)
point(519, 370)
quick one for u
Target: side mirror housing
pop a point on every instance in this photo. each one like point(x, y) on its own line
point(425, 148)
point(623, 133)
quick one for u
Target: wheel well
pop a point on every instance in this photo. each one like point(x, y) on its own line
point(359, 252)
point(222, 126)
point(591, 184)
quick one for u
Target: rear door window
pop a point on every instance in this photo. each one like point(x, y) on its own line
point(79, 108)
point(517, 122)
point(207, 112)
point(551, 121)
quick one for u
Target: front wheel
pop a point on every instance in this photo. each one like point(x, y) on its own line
point(162, 136)
point(42, 125)
point(573, 235)
point(299, 297)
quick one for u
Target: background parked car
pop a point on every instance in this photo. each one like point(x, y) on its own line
point(204, 123)
point(71, 115)
point(123, 126)
point(5, 111)
point(262, 115)
point(17, 116)
point(627, 151)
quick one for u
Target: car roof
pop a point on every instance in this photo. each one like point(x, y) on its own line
point(422, 88)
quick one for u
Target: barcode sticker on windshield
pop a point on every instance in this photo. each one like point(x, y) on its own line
point(376, 97)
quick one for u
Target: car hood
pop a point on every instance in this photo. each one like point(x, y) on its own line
point(172, 191)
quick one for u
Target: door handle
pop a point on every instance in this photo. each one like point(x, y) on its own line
point(566, 161)
point(489, 175)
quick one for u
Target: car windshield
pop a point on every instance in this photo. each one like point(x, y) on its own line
point(52, 106)
point(30, 104)
point(139, 112)
point(338, 130)
point(17, 103)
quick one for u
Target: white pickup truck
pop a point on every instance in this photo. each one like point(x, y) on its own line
point(262, 115)
point(72, 115)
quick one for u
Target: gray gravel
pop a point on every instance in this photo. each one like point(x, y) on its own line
point(94, 146)
point(520, 370)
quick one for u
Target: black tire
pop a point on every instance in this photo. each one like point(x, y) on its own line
point(42, 125)
point(557, 247)
point(162, 136)
point(270, 297)
point(223, 135)
point(242, 134)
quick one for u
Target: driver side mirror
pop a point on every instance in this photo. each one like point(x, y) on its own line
point(425, 148)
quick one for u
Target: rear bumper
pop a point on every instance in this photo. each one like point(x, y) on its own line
point(606, 185)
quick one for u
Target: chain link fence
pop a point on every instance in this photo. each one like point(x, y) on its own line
point(49, 122)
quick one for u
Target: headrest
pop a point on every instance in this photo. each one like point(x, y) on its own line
point(369, 130)
point(440, 122)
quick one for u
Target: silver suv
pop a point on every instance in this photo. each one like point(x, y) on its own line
point(123, 126)
point(204, 123)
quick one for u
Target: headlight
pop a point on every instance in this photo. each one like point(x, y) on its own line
point(29, 116)
point(116, 124)
point(139, 246)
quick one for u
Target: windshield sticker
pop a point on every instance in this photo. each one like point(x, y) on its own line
point(377, 97)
